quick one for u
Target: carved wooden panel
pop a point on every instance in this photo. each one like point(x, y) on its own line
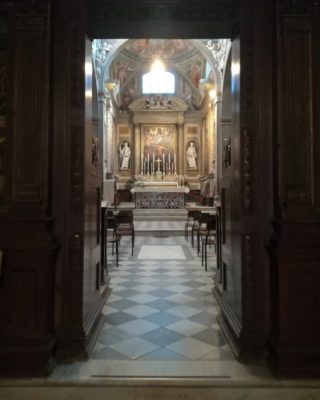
point(249, 286)
point(296, 116)
point(4, 110)
point(76, 168)
point(248, 108)
point(76, 276)
point(303, 309)
point(30, 108)
point(316, 105)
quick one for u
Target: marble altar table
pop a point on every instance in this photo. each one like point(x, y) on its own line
point(159, 195)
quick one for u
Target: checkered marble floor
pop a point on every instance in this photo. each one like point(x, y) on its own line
point(161, 307)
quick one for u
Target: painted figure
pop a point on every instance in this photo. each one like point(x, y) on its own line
point(192, 156)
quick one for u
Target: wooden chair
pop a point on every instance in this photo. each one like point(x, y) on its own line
point(208, 237)
point(200, 220)
point(111, 235)
point(124, 226)
point(205, 220)
point(196, 217)
point(189, 223)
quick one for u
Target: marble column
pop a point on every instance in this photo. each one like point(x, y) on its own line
point(180, 150)
point(109, 137)
point(218, 145)
point(137, 150)
point(102, 96)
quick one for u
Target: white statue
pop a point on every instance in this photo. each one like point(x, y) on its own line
point(192, 156)
point(125, 154)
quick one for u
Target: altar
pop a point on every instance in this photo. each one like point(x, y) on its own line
point(159, 195)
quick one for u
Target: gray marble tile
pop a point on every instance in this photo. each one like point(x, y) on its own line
point(163, 355)
point(211, 336)
point(107, 353)
point(162, 336)
point(162, 293)
point(162, 318)
point(162, 304)
point(118, 318)
point(123, 304)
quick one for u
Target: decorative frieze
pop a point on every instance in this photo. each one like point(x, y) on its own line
point(101, 49)
point(219, 49)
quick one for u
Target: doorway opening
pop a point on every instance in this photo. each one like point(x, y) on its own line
point(161, 307)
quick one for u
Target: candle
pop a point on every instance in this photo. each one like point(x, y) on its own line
point(141, 164)
point(169, 160)
point(163, 164)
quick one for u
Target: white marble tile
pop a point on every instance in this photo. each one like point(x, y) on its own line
point(143, 298)
point(135, 347)
point(191, 348)
point(186, 327)
point(183, 311)
point(107, 310)
point(144, 288)
point(161, 252)
point(180, 298)
point(138, 327)
point(141, 311)
point(179, 288)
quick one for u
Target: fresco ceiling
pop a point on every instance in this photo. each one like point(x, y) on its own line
point(181, 57)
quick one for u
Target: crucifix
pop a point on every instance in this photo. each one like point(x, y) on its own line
point(158, 161)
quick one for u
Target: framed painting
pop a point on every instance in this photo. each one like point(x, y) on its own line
point(158, 148)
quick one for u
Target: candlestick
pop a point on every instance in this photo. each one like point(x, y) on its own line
point(163, 163)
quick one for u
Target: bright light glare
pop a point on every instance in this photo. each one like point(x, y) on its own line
point(88, 68)
point(157, 66)
point(235, 68)
point(212, 94)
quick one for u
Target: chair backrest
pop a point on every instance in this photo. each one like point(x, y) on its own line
point(110, 223)
point(124, 218)
point(212, 223)
point(191, 214)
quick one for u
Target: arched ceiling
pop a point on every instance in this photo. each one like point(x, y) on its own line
point(182, 57)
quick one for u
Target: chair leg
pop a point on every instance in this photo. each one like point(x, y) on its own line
point(202, 252)
point(132, 246)
point(117, 253)
point(198, 242)
point(205, 257)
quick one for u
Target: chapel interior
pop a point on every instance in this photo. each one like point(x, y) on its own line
point(159, 199)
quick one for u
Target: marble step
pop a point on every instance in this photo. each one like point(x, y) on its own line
point(102, 388)
point(160, 215)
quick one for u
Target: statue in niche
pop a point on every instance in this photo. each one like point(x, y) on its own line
point(192, 155)
point(125, 154)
